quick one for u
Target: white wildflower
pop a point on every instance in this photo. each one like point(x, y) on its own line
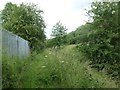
point(43, 66)
point(87, 44)
point(45, 56)
point(113, 12)
point(62, 61)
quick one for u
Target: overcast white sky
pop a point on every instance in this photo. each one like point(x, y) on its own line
point(70, 12)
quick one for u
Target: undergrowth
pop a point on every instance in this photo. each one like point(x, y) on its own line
point(52, 68)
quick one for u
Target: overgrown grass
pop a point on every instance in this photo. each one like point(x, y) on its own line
point(54, 69)
point(11, 71)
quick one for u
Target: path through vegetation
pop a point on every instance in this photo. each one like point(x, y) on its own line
point(63, 68)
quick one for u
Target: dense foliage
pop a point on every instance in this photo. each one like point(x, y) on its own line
point(26, 21)
point(79, 35)
point(102, 45)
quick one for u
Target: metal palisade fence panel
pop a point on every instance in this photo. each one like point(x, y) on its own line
point(14, 45)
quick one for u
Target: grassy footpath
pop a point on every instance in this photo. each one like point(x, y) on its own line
point(62, 68)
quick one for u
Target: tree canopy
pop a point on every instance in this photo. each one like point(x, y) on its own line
point(59, 33)
point(26, 21)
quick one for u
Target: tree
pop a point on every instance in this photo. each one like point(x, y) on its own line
point(102, 46)
point(26, 21)
point(79, 35)
point(105, 35)
point(59, 34)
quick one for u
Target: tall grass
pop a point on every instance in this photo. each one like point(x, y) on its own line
point(52, 69)
point(62, 68)
point(11, 71)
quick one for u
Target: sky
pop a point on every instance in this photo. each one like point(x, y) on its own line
point(71, 13)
